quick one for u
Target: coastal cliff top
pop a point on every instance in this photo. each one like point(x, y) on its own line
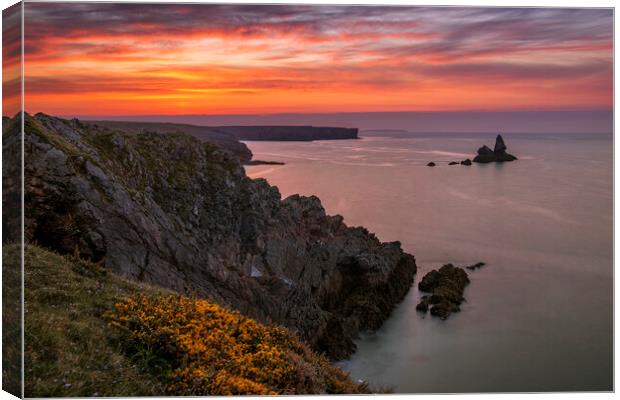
point(178, 212)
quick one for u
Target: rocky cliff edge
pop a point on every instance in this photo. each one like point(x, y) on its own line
point(171, 210)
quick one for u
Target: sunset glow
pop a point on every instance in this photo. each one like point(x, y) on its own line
point(124, 59)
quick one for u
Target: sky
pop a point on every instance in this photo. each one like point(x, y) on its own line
point(11, 60)
point(103, 59)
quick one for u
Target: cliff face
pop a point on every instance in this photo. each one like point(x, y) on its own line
point(289, 133)
point(177, 212)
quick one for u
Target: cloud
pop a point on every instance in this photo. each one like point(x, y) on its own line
point(347, 51)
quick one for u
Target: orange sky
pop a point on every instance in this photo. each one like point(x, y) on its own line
point(129, 59)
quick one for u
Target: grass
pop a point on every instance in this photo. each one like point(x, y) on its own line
point(92, 333)
point(12, 324)
point(68, 346)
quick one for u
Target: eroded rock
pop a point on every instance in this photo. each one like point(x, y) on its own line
point(498, 154)
point(445, 287)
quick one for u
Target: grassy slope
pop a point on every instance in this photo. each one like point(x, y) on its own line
point(11, 324)
point(68, 346)
point(71, 350)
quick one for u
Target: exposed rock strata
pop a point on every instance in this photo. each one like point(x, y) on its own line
point(174, 211)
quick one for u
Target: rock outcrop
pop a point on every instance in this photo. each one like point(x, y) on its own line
point(180, 213)
point(498, 154)
point(446, 287)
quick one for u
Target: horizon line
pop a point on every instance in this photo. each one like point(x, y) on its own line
point(610, 109)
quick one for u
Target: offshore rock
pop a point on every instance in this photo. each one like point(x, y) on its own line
point(500, 146)
point(446, 287)
point(475, 266)
point(178, 212)
point(498, 154)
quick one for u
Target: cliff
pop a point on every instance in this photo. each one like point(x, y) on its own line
point(171, 210)
point(227, 137)
point(222, 139)
point(289, 133)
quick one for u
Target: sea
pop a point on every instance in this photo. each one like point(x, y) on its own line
point(539, 316)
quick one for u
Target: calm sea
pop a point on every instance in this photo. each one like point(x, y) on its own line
point(538, 317)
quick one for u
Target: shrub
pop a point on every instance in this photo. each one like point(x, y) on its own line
point(199, 348)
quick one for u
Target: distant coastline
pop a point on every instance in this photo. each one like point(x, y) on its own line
point(229, 137)
point(551, 121)
point(288, 132)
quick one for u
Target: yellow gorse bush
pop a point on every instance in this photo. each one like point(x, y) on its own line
point(208, 350)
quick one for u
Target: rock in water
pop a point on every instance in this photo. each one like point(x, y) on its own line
point(500, 146)
point(453, 163)
point(171, 210)
point(475, 266)
point(423, 305)
point(430, 164)
point(498, 154)
point(466, 162)
point(446, 287)
point(485, 154)
point(486, 151)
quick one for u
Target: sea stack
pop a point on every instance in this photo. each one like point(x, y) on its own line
point(498, 154)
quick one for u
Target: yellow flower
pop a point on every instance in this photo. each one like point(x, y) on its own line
point(215, 351)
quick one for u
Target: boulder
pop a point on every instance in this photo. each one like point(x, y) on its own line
point(430, 164)
point(444, 309)
point(453, 163)
point(423, 305)
point(466, 162)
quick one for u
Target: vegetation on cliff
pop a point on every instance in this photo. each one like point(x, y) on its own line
point(220, 138)
point(173, 211)
point(204, 349)
point(90, 332)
